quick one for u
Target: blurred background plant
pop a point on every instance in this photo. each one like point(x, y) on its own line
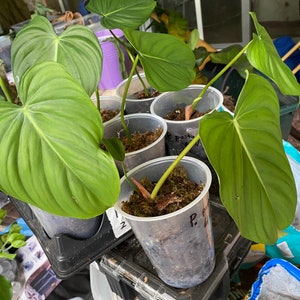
point(10, 240)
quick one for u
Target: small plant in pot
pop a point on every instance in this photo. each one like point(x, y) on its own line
point(256, 183)
point(179, 244)
point(147, 138)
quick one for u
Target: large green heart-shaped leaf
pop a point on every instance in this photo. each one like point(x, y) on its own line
point(122, 14)
point(50, 154)
point(256, 183)
point(167, 61)
point(77, 48)
point(263, 56)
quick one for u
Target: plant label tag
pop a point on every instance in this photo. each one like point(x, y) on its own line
point(118, 223)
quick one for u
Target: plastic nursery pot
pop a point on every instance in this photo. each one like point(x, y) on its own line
point(180, 133)
point(133, 104)
point(140, 122)
point(73, 227)
point(180, 244)
point(109, 103)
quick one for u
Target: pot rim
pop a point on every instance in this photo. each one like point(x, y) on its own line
point(192, 86)
point(134, 77)
point(112, 98)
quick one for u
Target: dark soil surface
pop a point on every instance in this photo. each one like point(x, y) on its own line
point(229, 103)
point(178, 114)
point(107, 114)
point(142, 94)
point(140, 140)
point(177, 192)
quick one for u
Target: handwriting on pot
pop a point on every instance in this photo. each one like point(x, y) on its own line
point(117, 222)
point(194, 220)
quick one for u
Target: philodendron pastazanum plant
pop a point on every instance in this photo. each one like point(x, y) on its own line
point(49, 143)
point(256, 183)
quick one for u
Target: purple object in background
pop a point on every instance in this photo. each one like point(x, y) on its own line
point(111, 69)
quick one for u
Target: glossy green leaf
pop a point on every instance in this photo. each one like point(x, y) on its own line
point(15, 237)
point(122, 14)
point(7, 255)
point(18, 244)
point(256, 183)
point(264, 57)
point(77, 48)
point(200, 55)
point(167, 62)
point(15, 227)
point(6, 291)
point(50, 154)
point(2, 213)
point(115, 147)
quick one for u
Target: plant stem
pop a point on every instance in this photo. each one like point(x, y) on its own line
point(195, 102)
point(132, 71)
point(5, 90)
point(98, 99)
point(197, 137)
point(133, 186)
point(143, 84)
point(173, 165)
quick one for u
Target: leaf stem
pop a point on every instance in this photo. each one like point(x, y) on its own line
point(132, 71)
point(98, 99)
point(195, 102)
point(5, 90)
point(197, 137)
point(173, 165)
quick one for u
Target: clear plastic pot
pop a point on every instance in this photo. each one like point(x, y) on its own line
point(180, 133)
point(140, 122)
point(180, 245)
point(134, 105)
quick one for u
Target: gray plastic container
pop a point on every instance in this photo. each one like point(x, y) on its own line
point(73, 227)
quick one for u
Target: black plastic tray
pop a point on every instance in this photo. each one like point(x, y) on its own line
point(68, 255)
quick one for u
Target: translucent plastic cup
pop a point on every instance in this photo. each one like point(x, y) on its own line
point(109, 103)
point(180, 133)
point(73, 227)
point(140, 122)
point(180, 244)
point(134, 105)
